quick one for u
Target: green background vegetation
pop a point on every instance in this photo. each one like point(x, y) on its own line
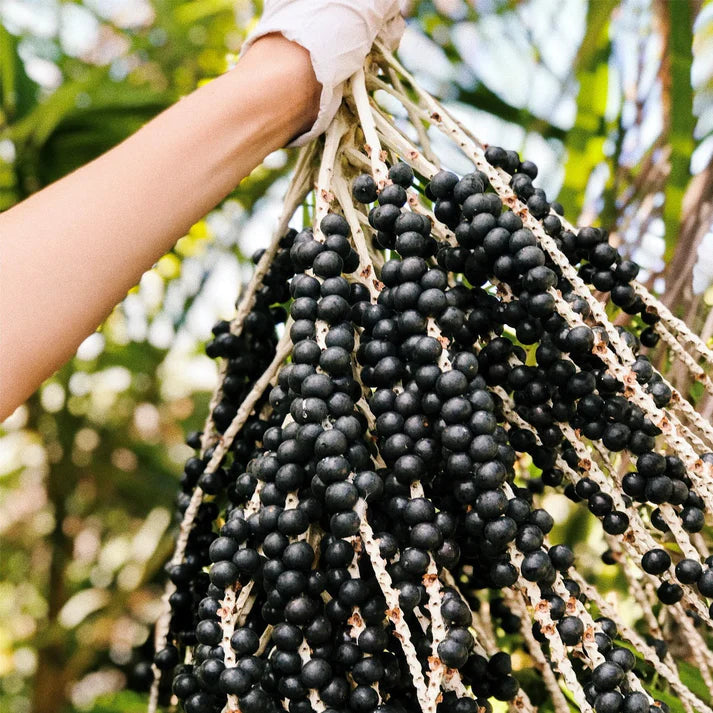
point(89, 466)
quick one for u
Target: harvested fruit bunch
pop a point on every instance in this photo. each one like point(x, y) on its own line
point(360, 530)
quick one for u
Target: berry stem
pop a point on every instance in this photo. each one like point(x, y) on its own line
point(373, 145)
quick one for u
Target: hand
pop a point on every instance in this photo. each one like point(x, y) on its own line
point(338, 34)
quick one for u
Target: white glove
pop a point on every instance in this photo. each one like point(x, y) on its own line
point(338, 34)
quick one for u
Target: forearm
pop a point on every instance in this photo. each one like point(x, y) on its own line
point(69, 253)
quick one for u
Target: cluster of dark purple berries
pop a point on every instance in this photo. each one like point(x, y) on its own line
point(387, 415)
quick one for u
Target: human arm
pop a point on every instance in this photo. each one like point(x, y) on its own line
point(69, 253)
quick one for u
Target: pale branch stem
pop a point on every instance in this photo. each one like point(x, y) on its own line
point(244, 610)
point(641, 541)
point(482, 622)
point(394, 612)
point(232, 606)
point(282, 350)
point(163, 622)
point(617, 470)
point(679, 404)
point(432, 330)
point(438, 627)
point(517, 604)
point(421, 618)
point(373, 145)
point(497, 178)
point(416, 115)
point(365, 271)
point(401, 144)
point(377, 259)
point(397, 90)
point(228, 619)
point(357, 159)
point(153, 693)
point(227, 625)
point(558, 652)
point(700, 544)
point(521, 703)
point(644, 400)
point(323, 193)
point(637, 591)
point(696, 371)
point(629, 634)
point(429, 102)
point(696, 644)
point(299, 187)
point(699, 472)
point(684, 332)
point(186, 525)
point(355, 621)
point(291, 502)
point(701, 424)
point(455, 683)
point(684, 702)
point(208, 434)
point(264, 640)
point(360, 162)
point(681, 537)
point(694, 440)
point(297, 190)
point(421, 130)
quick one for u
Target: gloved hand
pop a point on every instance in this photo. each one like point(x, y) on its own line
point(338, 34)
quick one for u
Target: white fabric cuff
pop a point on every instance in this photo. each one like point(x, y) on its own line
point(338, 34)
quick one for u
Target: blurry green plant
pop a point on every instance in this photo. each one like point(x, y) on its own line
point(89, 466)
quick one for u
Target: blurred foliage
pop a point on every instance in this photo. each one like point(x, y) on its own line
point(601, 94)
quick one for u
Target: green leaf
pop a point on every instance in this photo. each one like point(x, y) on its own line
point(17, 91)
point(682, 119)
point(691, 677)
point(115, 112)
point(191, 12)
point(585, 140)
point(18, 94)
point(121, 702)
